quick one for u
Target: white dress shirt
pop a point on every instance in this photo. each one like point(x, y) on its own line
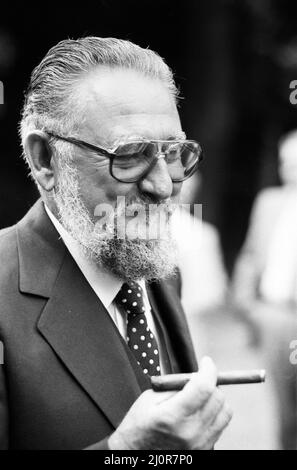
point(105, 285)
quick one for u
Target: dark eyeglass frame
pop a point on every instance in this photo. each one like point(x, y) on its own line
point(111, 155)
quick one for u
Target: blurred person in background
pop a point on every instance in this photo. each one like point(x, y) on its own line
point(265, 282)
point(200, 259)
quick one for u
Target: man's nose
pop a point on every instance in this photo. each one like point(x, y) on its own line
point(157, 183)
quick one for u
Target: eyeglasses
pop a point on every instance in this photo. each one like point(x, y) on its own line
point(130, 162)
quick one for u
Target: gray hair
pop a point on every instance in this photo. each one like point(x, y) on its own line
point(50, 102)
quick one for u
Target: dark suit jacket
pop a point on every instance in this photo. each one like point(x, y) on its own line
point(68, 377)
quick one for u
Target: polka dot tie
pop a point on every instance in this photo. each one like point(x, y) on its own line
point(140, 339)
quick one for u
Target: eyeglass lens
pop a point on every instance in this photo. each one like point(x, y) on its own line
point(134, 159)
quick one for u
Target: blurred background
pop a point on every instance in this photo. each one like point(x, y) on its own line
point(234, 62)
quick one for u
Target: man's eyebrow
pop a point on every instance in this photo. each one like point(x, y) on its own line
point(180, 135)
point(135, 137)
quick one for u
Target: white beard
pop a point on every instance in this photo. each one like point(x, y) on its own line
point(128, 258)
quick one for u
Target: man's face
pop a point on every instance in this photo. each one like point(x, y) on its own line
point(123, 105)
point(119, 105)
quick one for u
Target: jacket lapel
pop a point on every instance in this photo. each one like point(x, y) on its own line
point(41, 252)
point(74, 321)
point(167, 308)
point(81, 332)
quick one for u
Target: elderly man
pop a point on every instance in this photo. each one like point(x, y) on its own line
point(90, 310)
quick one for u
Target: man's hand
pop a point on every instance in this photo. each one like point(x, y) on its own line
point(193, 418)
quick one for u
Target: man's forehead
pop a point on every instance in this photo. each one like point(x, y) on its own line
point(124, 90)
point(119, 101)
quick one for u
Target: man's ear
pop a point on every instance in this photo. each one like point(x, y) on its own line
point(40, 154)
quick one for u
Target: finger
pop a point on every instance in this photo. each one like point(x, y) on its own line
point(208, 414)
point(199, 389)
point(152, 397)
point(161, 397)
point(218, 426)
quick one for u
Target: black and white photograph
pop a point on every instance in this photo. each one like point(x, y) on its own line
point(148, 228)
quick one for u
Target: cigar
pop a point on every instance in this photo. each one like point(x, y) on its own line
point(163, 383)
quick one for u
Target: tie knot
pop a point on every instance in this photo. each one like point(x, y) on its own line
point(130, 298)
